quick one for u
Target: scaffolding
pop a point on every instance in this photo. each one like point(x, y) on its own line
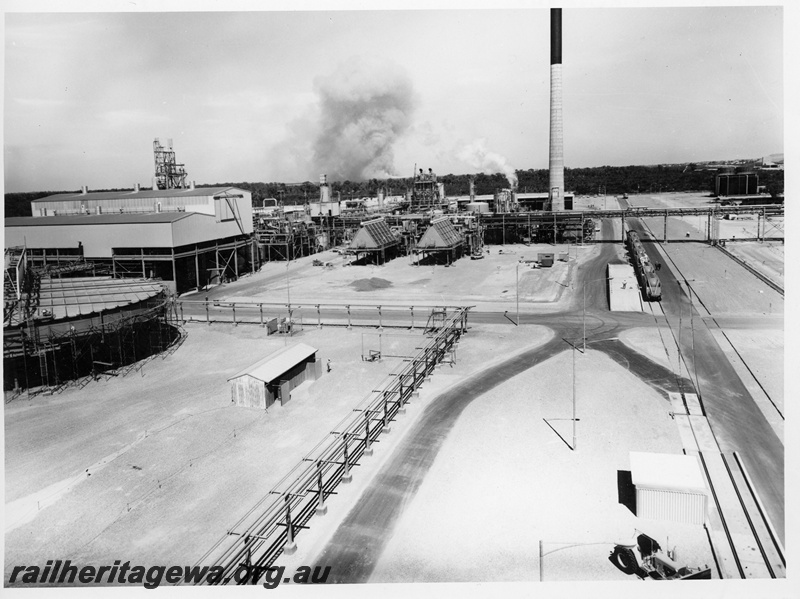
point(43, 359)
point(45, 353)
point(425, 192)
point(169, 174)
point(281, 239)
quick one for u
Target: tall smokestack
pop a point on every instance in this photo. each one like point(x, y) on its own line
point(556, 118)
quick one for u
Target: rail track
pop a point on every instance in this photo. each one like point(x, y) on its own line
point(743, 540)
point(749, 547)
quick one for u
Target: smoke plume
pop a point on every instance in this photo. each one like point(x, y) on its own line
point(478, 156)
point(364, 108)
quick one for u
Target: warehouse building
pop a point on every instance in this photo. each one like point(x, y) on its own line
point(188, 238)
point(732, 184)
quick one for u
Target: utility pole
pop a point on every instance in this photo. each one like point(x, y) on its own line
point(574, 420)
point(517, 292)
point(288, 297)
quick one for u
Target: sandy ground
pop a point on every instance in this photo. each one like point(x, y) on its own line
point(767, 257)
point(761, 350)
point(186, 447)
point(491, 281)
point(171, 464)
point(503, 474)
point(658, 344)
point(722, 285)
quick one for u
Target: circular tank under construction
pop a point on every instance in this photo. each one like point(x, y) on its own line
point(67, 331)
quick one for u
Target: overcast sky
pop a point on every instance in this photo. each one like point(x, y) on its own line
point(286, 96)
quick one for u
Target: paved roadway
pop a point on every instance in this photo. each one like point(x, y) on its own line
point(357, 544)
point(737, 422)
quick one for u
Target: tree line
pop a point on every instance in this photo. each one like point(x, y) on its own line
point(612, 180)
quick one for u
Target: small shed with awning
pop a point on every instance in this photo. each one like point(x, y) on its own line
point(441, 241)
point(272, 378)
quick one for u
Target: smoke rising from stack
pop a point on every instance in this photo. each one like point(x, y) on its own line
point(478, 156)
point(365, 107)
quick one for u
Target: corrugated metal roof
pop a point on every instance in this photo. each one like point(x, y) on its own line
point(66, 298)
point(201, 192)
point(277, 363)
point(99, 219)
point(441, 234)
point(374, 234)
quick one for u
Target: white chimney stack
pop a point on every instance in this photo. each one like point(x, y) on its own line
point(556, 116)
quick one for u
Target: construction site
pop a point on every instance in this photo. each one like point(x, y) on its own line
point(411, 388)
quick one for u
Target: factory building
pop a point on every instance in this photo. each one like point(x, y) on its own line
point(733, 184)
point(188, 238)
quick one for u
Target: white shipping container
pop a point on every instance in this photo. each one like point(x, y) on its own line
point(669, 487)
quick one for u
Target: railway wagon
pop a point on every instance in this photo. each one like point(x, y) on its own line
point(649, 282)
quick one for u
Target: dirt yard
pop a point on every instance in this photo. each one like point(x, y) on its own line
point(154, 467)
point(157, 465)
point(503, 474)
point(490, 282)
point(144, 466)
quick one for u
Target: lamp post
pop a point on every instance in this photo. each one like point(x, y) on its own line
point(574, 407)
point(288, 296)
point(517, 292)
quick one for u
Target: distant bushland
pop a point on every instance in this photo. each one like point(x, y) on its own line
point(612, 180)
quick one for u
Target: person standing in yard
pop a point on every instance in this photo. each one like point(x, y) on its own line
point(329, 365)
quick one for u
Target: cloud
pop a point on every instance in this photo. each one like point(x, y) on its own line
point(365, 107)
point(360, 111)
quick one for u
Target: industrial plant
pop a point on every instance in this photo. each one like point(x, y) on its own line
point(252, 386)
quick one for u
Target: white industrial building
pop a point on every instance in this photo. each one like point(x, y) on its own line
point(187, 237)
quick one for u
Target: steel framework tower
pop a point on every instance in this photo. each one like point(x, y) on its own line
point(169, 174)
